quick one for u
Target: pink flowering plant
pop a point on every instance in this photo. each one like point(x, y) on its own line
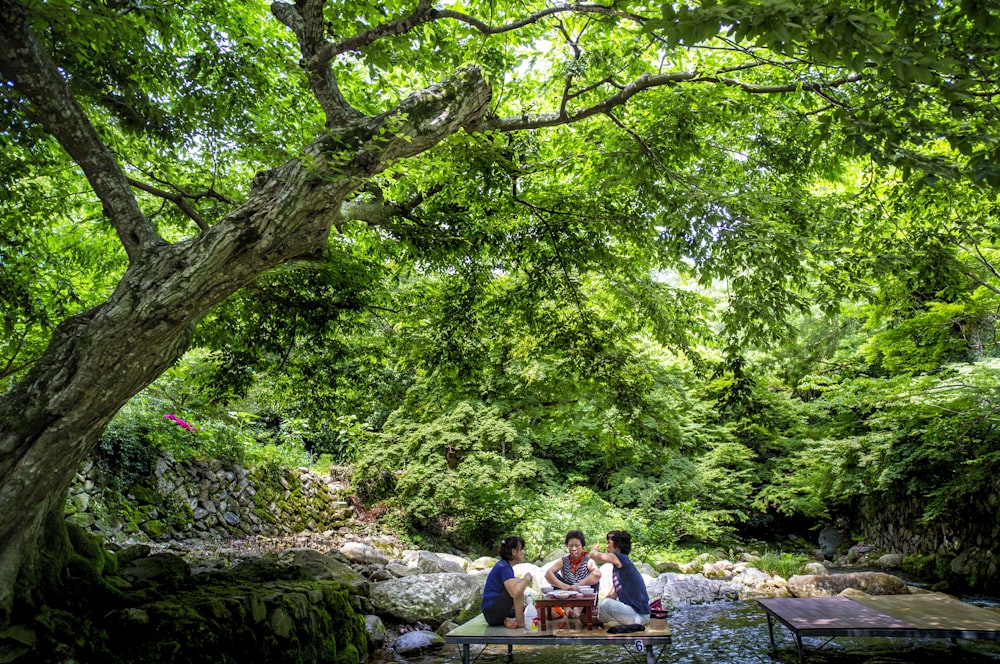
point(187, 426)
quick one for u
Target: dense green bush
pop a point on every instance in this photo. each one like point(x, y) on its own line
point(548, 517)
point(461, 476)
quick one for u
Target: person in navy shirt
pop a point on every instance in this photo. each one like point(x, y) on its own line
point(627, 603)
point(503, 595)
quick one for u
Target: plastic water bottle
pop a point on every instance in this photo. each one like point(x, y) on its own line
point(531, 623)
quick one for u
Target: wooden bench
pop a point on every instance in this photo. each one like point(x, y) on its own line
point(565, 632)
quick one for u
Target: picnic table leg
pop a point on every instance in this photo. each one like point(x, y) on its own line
point(465, 653)
point(543, 616)
point(798, 642)
point(589, 615)
point(770, 628)
point(650, 659)
point(510, 652)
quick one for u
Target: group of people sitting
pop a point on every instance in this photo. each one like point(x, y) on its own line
point(626, 603)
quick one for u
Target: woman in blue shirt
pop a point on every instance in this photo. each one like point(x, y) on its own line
point(503, 595)
point(627, 603)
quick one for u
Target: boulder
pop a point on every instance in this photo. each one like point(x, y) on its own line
point(537, 573)
point(857, 552)
point(890, 561)
point(646, 570)
point(399, 569)
point(485, 562)
point(668, 566)
point(685, 589)
point(313, 565)
point(161, 568)
point(873, 583)
point(375, 631)
point(816, 568)
point(432, 563)
point(431, 597)
point(829, 541)
point(363, 553)
point(458, 560)
point(417, 642)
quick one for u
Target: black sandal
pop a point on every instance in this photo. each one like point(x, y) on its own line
point(626, 629)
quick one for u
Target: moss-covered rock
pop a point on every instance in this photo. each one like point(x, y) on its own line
point(88, 555)
point(154, 528)
point(280, 621)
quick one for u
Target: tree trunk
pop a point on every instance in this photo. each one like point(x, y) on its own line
point(99, 359)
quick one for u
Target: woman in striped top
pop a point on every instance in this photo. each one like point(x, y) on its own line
point(577, 569)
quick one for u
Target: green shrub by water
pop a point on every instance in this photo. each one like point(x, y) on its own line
point(785, 565)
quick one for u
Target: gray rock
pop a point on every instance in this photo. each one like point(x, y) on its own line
point(685, 589)
point(890, 561)
point(485, 562)
point(830, 540)
point(818, 569)
point(433, 563)
point(318, 567)
point(446, 627)
point(431, 597)
point(165, 568)
point(399, 569)
point(418, 641)
point(856, 552)
point(873, 583)
point(375, 630)
point(362, 553)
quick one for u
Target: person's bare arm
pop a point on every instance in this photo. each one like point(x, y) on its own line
point(597, 555)
point(550, 576)
point(594, 576)
point(517, 586)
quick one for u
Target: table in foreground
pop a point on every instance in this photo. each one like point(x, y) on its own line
point(569, 632)
point(924, 615)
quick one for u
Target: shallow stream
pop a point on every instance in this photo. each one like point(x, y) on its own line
point(736, 633)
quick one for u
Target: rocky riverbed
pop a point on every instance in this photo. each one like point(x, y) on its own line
point(412, 597)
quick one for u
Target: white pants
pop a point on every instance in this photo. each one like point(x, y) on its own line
point(621, 613)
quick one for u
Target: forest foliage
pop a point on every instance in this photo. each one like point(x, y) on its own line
point(760, 291)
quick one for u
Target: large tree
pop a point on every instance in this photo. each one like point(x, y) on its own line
point(698, 129)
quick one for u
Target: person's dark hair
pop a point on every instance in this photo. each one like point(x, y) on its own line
point(575, 534)
point(509, 545)
point(622, 540)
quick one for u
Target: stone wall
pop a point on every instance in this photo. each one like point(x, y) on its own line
point(959, 548)
point(206, 499)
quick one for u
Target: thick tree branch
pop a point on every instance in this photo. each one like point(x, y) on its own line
point(646, 82)
point(37, 79)
point(379, 212)
point(305, 20)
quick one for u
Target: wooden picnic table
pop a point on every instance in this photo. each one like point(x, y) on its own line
point(924, 615)
point(561, 632)
point(546, 603)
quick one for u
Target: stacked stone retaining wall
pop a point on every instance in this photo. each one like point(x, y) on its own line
point(962, 546)
point(206, 499)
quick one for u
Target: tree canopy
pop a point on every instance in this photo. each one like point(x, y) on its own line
point(539, 181)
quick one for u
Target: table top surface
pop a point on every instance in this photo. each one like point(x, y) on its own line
point(577, 599)
point(931, 614)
